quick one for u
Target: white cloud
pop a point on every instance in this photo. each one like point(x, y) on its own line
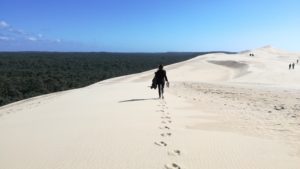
point(4, 38)
point(9, 35)
point(32, 38)
point(18, 31)
point(3, 24)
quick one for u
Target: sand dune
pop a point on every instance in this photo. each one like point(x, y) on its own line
point(221, 111)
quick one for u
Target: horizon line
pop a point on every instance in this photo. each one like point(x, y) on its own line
point(49, 51)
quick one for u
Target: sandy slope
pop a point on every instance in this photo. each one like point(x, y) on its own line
point(221, 111)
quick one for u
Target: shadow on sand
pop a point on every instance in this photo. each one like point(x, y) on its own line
point(136, 100)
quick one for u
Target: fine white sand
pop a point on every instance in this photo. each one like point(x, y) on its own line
point(221, 112)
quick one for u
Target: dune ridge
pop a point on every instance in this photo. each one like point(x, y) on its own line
point(221, 111)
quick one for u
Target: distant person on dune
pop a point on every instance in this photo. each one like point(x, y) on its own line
point(159, 80)
point(293, 65)
point(290, 66)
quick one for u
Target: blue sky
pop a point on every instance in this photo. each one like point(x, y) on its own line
point(148, 25)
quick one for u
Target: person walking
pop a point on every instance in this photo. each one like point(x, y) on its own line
point(290, 66)
point(293, 65)
point(160, 78)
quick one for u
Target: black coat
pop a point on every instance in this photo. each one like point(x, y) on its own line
point(159, 78)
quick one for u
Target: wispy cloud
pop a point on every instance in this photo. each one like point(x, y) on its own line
point(18, 39)
point(3, 24)
point(17, 31)
point(4, 38)
point(32, 38)
point(8, 32)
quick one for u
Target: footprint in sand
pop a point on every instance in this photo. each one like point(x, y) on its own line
point(174, 153)
point(161, 143)
point(164, 107)
point(163, 103)
point(166, 117)
point(172, 166)
point(166, 134)
point(164, 127)
point(165, 122)
point(280, 107)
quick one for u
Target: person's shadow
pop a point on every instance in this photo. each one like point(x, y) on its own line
point(136, 100)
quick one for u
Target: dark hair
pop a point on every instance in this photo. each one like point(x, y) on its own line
point(160, 67)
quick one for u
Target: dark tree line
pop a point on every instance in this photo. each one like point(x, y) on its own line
point(28, 74)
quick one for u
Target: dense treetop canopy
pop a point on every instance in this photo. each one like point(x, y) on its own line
point(28, 74)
